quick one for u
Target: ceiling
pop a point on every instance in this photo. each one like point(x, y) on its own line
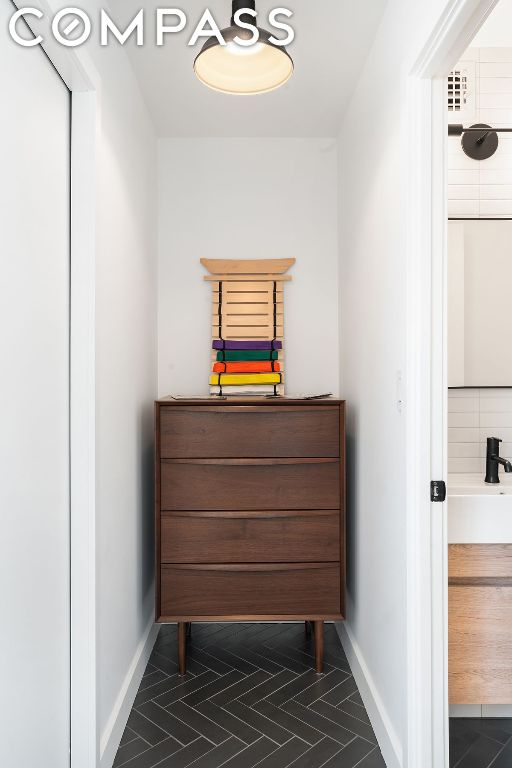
point(333, 38)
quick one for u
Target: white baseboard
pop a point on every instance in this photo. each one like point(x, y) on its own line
point(389, 742)
point(116, 723)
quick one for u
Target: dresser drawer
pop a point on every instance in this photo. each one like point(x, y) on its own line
point(252, 431)
point(250, 590)
point(246, 484)
point(250, 537)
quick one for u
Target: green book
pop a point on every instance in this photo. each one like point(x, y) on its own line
point(245, 355)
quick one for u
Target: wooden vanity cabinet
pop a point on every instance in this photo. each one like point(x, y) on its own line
point(480, 623)
point(250, 512)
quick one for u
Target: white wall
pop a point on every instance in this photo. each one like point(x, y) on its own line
point(373, 178)
point(126, 380)
point(473, 416)
point(34, 409)
point(248, 199)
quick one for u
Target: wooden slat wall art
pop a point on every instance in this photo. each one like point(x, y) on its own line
point(247, 325)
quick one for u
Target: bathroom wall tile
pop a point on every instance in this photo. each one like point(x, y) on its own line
point(468, 208)
point(463, 405)
point(498, 117)
point(495, 191)
point(470, 176)
point(471, 54)
point(463, 192)
point(495, 68)
point(493, 85)
point(463, 392)
point(496, 175)
point(501, 160)
point(504, 433)
point(496, 100)
point(495, 404)
point(493, 55)
point(499, 392)
point(463, 419)
point(465, 710)
point(459, 161)
point(463, 435)
point(496, 710)
point(457, 466)
point(505, 449)
point(490, 420)
point(464, 451)
point(496, 208)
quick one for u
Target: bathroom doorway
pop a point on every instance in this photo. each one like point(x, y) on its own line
point(440, 87)
point(479, 487)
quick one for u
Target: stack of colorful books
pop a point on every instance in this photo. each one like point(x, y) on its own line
point(246, 367)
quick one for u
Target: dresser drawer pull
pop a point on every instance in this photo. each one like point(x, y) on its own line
point(250, 568)
point(252, 514)
point(252, 462)
point(257, 409)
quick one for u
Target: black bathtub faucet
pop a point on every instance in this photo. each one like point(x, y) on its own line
point(494, 460)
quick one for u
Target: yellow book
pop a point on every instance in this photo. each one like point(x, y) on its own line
point(226, 379)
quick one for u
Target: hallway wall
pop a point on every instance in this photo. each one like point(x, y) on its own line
point(248, 199)
point(126, 382)
point(373, 179)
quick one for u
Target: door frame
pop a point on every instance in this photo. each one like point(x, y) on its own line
point(78, 72)
point(427, 381)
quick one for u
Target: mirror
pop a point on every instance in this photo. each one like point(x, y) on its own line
point(480, 303)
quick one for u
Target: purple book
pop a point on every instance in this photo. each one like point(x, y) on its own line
point(221, 344)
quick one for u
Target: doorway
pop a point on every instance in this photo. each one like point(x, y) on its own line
point(428, 379)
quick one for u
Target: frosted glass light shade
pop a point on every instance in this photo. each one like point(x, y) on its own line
point(241, 70)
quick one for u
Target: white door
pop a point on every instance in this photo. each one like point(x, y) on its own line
point(34, 408)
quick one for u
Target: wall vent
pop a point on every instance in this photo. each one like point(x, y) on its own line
point(457, 90)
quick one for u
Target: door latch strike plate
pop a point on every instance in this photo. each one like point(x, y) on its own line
point(437, 490)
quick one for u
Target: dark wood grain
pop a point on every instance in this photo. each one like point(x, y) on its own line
point(343, 502)
point(157, 510)
point(265, 431)
point(196, 486)
point(260, 590)
point(250, 512)
point(283, 536)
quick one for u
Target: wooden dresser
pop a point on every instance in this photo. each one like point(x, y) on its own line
point(250, 512)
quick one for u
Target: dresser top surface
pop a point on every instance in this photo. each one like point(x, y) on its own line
point(253, 401)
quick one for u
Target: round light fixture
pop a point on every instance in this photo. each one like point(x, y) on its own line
point(243, 70)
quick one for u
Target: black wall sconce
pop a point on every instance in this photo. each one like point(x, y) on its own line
point(479, 141)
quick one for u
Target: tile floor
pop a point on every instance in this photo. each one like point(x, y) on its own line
point(480, 743)
point(250, 698)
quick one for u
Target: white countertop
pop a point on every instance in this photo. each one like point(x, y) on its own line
point(479, 513)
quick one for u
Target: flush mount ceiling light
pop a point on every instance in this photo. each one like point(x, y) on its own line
point(243, 69)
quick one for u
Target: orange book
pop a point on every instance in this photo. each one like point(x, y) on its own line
point(259, 366)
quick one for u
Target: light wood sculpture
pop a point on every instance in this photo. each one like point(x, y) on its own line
point(247, 306)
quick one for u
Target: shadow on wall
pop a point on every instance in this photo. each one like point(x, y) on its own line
point(351, 548)
point(146, 503)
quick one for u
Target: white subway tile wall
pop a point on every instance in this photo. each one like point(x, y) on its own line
point(473, 416)
point(483, 189)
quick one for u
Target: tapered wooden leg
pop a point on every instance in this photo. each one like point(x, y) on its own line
point(182, 652)
point(319, 645)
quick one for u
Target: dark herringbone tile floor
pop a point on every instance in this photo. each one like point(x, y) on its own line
point(480, 743)
point(250, 698)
